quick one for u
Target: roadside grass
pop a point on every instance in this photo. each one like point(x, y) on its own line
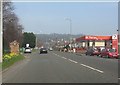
point(10, 62)
point(0, 66)
point(34, 50)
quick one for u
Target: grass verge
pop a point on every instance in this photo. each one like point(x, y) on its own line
point(0, 65)
point(10, 62)
point(34, 50)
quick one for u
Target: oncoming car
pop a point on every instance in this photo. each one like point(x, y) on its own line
point(43, 50)
point(27, 50)
point(50, 49)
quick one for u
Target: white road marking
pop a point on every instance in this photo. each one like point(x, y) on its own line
point(63, 57)
point(56, 54)
point(92, 68)
point(72, 61)
point(82, 64)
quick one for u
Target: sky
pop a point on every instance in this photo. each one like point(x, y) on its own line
point(90, 18)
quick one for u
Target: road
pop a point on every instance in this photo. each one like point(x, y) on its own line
point(61, 67)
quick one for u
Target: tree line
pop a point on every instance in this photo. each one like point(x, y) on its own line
point(12, 29)
point(29, 38)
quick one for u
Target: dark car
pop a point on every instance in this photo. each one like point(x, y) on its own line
point(93, 51)
point(110, 53)
point(43, 50)
point(89, 51)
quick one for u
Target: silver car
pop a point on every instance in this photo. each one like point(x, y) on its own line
point(27, 50)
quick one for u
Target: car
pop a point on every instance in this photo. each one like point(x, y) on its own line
point(93, 51)
point(50, 49)
point(27, 50)
point(43, 50)
point(110, 53)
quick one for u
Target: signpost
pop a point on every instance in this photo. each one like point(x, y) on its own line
point(115, 42)
point(27, 45)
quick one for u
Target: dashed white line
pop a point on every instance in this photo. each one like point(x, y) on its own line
point(92, 68)
point(63, 57)
point(58, 55)
point(81, 64)
point(72, 61)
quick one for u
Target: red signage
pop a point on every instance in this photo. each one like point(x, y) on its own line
point(97, 37)
point(91, 37)
point(115, 42)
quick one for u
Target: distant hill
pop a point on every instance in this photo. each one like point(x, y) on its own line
point(55, 36)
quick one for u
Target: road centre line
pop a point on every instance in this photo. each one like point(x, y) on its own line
point(72, 61)
point(59, 56)
point(92, 68)
point(83, 65)
point(56, 54)
point(63, 57)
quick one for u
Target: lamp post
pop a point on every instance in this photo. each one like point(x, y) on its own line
point(70, 20)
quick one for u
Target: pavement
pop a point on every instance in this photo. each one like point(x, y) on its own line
point(62, 67)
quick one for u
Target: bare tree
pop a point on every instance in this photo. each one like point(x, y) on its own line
point(12, 30)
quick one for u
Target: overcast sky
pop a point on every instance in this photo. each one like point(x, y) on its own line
point(91, 18)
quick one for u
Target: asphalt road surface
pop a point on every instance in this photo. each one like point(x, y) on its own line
point(61, 67)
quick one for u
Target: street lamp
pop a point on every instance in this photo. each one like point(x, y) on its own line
point(70, 20)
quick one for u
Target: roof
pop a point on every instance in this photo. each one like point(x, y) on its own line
point(89, 37)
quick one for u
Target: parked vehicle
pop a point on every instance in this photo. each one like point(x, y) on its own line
point(92, 51)
point(27, 50)
point(43, 50)
point(110, 53)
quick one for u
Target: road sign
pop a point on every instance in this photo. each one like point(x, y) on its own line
point(27, 45)
point(115, 42)
point(115, 36)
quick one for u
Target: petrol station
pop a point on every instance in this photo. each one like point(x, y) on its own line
point(98, 41)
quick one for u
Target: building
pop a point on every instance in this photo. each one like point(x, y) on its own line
point(98, 41)
point(94, 41)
